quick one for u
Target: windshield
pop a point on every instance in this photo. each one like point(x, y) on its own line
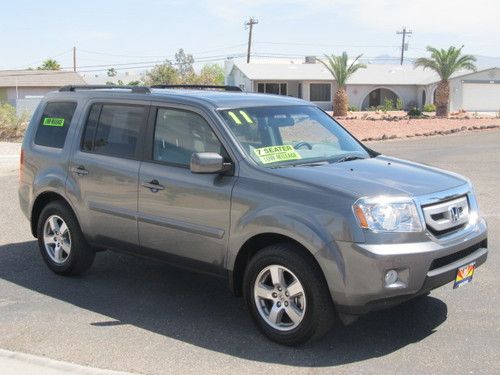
point(291, 135)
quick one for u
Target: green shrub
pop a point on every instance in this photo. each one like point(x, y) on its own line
point(388, 105)
point(352, 108)
point(429, 107)
point(12, 126)
point(399, 104)
point(414, 113)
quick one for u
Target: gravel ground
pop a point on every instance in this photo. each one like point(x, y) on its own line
point(407, 128)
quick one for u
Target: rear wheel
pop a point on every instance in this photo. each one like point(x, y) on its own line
point(61, 241)
point(287, 296)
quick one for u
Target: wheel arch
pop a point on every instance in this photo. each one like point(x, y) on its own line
point(42, 200)
point(251, 247)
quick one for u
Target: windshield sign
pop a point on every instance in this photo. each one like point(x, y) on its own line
point(276, 154)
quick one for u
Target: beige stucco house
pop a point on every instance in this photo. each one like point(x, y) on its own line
point(472, 91)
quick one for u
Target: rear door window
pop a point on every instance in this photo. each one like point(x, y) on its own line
point(54, 125)
point(114, 130)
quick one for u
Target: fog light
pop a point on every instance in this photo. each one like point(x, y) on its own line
point(391, 277)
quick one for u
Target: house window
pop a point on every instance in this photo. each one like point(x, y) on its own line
point(320, 92)
point(272, 88)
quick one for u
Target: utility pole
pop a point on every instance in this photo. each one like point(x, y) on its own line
point(403, 46)
point(74, 59)
point(251, 21)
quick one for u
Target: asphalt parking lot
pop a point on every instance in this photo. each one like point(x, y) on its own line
point(137, 315)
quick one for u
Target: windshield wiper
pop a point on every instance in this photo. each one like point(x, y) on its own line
point(309, 164)
point(348, 158)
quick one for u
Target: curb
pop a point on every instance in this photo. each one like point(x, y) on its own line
point(21, 363)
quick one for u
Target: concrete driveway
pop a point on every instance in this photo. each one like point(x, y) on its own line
point(138, 315)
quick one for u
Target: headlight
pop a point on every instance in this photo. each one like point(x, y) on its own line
point(388, 214)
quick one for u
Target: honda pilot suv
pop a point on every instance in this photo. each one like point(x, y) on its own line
point(270, 192)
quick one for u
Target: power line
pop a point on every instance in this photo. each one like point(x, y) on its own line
point(159, 56)
point(100, 68)
point(40, 60)
point(326, 45)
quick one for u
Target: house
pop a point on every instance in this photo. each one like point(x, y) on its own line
point(24, 88)
point(472, 91)
point(120, 78)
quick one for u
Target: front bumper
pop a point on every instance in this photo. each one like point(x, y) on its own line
point(355, 275)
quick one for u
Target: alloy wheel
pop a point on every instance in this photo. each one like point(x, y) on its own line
point(279, 297)
point(57, 239)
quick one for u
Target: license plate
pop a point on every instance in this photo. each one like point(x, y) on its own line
point(464, 275)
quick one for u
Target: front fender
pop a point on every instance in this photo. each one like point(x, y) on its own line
point(286, 222)
point(279, 220)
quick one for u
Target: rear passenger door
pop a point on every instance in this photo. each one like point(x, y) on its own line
point(182, 214)
point(104, 172)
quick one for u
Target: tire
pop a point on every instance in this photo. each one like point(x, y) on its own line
point(65, 251)
point(313, 309)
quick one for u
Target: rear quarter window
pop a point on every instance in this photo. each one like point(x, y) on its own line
point(54, 124)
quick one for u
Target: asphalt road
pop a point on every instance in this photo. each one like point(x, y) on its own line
point(138, 315)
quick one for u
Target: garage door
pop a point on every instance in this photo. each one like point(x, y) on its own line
point(481, 96)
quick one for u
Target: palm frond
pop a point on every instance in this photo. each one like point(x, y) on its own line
point(339, 67)
point(446, 62)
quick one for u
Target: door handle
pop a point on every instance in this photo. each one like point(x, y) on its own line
point(80, 170)
point(153, 185)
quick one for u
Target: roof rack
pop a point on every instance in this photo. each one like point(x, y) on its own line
point(133, 89)
point(199, 87)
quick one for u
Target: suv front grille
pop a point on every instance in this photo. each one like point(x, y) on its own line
point(446, 217)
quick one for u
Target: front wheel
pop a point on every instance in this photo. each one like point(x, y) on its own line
point(287, 296)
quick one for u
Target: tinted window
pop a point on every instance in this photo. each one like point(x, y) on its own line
point(88, 136)
point(54, 124)
point(179, 134)
point(320, 92)
point(114, 129)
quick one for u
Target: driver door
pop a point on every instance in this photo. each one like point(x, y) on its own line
point(184, 216)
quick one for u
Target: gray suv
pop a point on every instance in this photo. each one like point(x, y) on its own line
point(269, 192)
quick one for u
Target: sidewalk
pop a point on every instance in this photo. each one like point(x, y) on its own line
point(10, 148)
point(14, 363)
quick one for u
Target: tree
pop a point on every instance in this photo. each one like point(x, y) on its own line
point(162, 74)
point(341, 70)
point(211, 74)
point(182, 72)
point(112, 72)
point(445, 63)
point(184, 64)
point(49, 64)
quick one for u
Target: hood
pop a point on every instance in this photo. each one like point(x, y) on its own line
point(379, 175)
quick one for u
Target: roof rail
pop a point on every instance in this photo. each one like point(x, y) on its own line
point(199, 87)
point(133, 89)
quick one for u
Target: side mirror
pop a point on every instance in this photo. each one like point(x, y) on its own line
point(208, 162)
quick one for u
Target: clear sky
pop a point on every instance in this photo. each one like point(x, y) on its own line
point(108, 33)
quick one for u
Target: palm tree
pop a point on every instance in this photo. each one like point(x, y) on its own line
point(341, 71)
point(49, 64)
point(445, 63)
